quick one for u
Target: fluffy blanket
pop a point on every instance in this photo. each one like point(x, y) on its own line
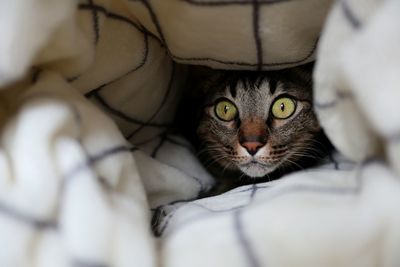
point(91, 176)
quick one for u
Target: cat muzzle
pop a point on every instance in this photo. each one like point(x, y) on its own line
point(252, 147)
point(253, 135)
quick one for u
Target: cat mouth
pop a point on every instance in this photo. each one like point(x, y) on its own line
point(256, 169)
point(260, 163)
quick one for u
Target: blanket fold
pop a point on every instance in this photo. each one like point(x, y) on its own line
point(89, 163)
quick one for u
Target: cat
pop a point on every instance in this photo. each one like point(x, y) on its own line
point(256, 126)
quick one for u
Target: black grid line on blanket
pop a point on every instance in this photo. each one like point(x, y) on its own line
point(93, 159)
point(257, 65)
point(334, 161)
point(239, 2)
point(96, 92)
point(159, 229)
point(341, 191)
point(332, 103)
point(257, 38)
point(252, 189)
point(113, 16)
point(90, 5)
point(244, 242)
point(247, 64)
point(349, 14)
point(96, 95)
point(52, 224)
point(95, 19)
point(159, 212)
point(20, 216)
point(151, 139)
point(163, 138)
point(161, 105)
point(35, 75)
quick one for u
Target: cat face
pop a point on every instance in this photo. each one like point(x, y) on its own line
point(258, 122)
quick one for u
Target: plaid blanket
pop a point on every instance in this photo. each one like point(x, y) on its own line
point(91, 176)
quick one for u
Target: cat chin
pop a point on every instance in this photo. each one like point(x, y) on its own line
point(255, 170)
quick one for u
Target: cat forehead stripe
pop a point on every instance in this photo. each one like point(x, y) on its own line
point(272, 85)
point(232, 89)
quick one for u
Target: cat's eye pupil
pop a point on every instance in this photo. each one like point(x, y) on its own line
point(283, 107)
point(225, 110)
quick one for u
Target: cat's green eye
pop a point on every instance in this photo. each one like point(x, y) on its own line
point(283, 107)
point(225, 110)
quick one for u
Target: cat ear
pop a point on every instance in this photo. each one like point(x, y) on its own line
point(304, 72)
point(203, 79)
point(300, 75)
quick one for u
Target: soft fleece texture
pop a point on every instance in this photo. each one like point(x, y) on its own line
point(87, 164)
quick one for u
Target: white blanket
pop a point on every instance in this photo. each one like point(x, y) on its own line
point(88, 166)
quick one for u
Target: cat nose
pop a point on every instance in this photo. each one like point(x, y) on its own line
point(252, 147)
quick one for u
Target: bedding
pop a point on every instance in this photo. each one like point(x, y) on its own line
point(92, 175)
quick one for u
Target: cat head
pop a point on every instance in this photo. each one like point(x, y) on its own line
point(258, 122)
